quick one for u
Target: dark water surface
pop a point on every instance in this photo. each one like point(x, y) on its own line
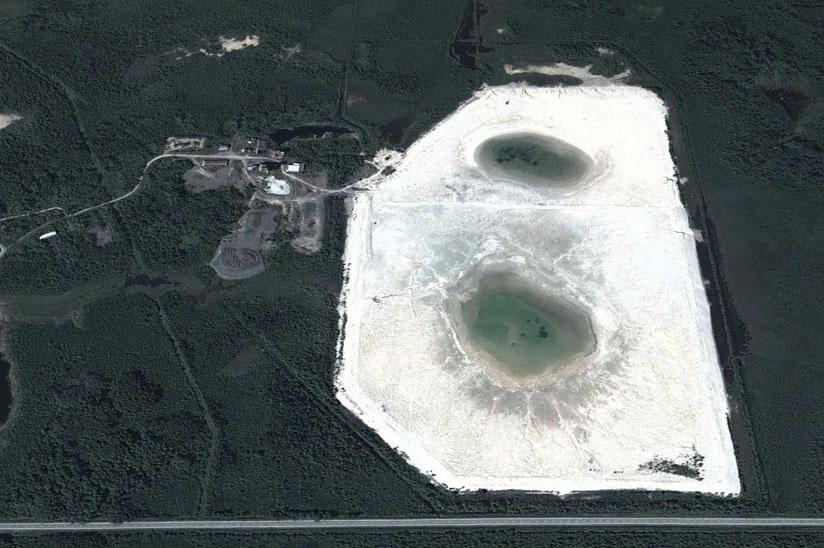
point(468, 41)
point(6, 398)
point(537, 159)
point(146, 281)
point(282, 136)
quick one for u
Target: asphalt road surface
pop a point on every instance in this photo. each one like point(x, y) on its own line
point(425, 523)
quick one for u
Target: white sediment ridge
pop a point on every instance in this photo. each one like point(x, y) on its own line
point(646, 410)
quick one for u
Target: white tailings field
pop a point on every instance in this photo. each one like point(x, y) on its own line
point(645, 410)
point(7, 119)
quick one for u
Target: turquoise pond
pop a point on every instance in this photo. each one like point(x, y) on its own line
point(527, 334)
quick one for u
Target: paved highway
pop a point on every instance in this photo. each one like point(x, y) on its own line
point(425, 523)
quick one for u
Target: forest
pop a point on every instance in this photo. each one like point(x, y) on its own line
point(423, 539)
point(196, 396)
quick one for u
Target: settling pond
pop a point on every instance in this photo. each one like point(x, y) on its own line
point(533, 158)
point(527, 333)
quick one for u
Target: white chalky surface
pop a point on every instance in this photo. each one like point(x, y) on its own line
point(618, 245)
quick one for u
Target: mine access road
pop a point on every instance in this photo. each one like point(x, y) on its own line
point(425, 523)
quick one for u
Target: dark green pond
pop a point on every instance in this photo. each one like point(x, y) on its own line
point(527, 333)
point(534, 158)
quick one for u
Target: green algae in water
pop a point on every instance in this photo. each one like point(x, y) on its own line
point(527, 334)
point(534, 158)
